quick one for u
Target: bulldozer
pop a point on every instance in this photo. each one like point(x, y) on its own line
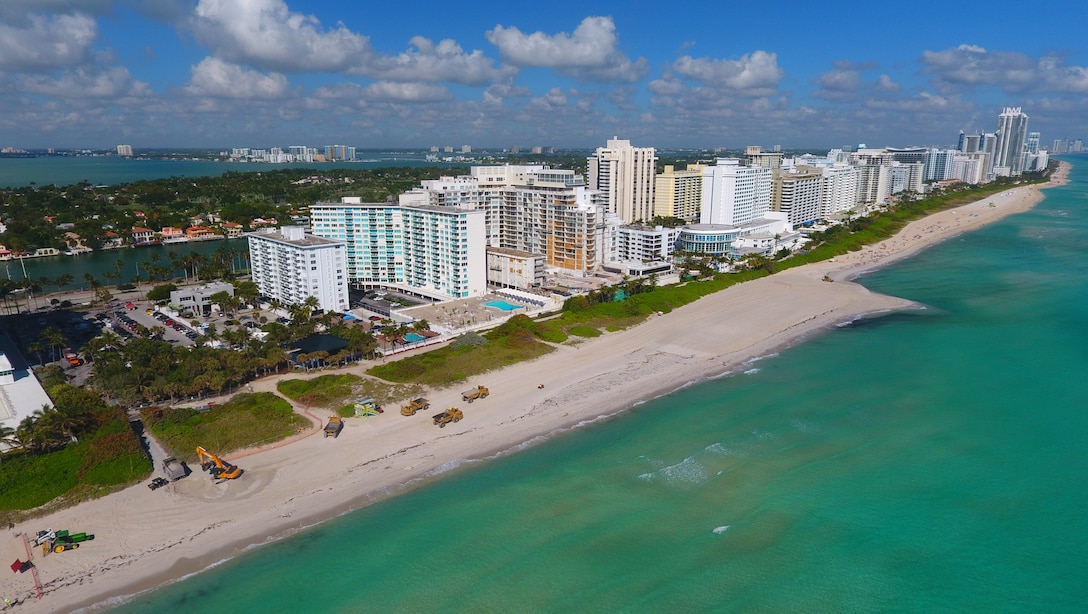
point(217, 467)
point(479, 392)
point(450, 415)
point(413, 406)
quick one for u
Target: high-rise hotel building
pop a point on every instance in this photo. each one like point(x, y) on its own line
point(625, 176)
point(416, 247)
point(291, 266)
point(1012, 132)
point(679, 193)
point(735, 194)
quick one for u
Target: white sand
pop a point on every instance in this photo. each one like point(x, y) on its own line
point(146, 538)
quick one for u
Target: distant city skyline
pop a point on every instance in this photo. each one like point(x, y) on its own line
point(261, 73)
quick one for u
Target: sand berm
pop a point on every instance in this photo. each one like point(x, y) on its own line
point(146, 538)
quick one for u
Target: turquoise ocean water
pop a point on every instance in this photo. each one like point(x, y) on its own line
point(931, 461)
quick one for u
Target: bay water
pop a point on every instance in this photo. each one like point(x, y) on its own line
point(110, 170)
point(925, 461)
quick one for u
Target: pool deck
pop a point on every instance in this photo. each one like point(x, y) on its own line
point(460, 315)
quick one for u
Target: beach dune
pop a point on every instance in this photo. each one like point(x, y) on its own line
point(146, 538)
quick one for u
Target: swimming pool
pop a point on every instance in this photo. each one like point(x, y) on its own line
point(412, 337)
point(502, 305)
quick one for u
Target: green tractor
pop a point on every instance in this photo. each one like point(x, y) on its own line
point(63, 540)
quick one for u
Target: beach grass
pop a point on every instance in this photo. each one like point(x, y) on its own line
point(97, 463)
point(516, 340)
point(247, 420)
point(323, 391)
point(338, 392)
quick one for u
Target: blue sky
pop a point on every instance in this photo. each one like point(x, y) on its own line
point(262, 73)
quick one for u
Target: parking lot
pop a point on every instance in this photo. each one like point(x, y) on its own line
point(128, 319)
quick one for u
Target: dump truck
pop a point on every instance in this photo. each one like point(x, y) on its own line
point(332, 429)
point(413, 406)
point(63, 540)
point(479, 392)
point(173, 469)
point(217, 467)
point(450, 415)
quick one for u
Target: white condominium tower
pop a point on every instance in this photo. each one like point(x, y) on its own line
point(1012, 130)
point(733, 194)
point(414, 246)
point(291, 266)
point(625, 175)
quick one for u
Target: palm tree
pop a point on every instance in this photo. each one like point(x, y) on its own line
point(53, 338)
point(36, 348)
point(29, 434)
point(7, 438)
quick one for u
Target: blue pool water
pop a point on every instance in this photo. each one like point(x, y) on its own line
point(412, 337)
point(501, 305)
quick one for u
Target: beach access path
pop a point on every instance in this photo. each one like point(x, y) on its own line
point(146, 538)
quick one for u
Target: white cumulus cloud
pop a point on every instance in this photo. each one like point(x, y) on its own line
point(46, 41)
point(266, 34)
point(83, 83)
point(427, 61)
point(388, 91)
point(752, 75)
point(215, 78)
point(590, 52)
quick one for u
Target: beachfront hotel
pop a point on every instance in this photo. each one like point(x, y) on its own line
point(416, 247)
point(291, 266)
point(679, 193)
point(530, 208)
point(736, 217)
point(1010, 149)
point(734, 194)
point(625, 175)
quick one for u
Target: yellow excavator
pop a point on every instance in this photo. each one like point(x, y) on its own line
point(217, 467)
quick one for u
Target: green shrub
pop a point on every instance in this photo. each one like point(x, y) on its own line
point(584, 331)
point(468, 340)
point(324, 391)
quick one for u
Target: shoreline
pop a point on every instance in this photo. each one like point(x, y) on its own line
point(147, 539)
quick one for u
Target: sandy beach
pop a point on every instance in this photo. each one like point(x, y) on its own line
point(146, 538)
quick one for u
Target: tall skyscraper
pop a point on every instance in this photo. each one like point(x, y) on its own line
point(1012, 130)
point(625, 175)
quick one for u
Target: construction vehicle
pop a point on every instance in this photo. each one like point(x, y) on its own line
point(59, 541)
point(173, 469)
point(217, 467)
point(413, 406)
point(450, 415)
point(332, 429)
point(73, 359)
point(480, 392)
